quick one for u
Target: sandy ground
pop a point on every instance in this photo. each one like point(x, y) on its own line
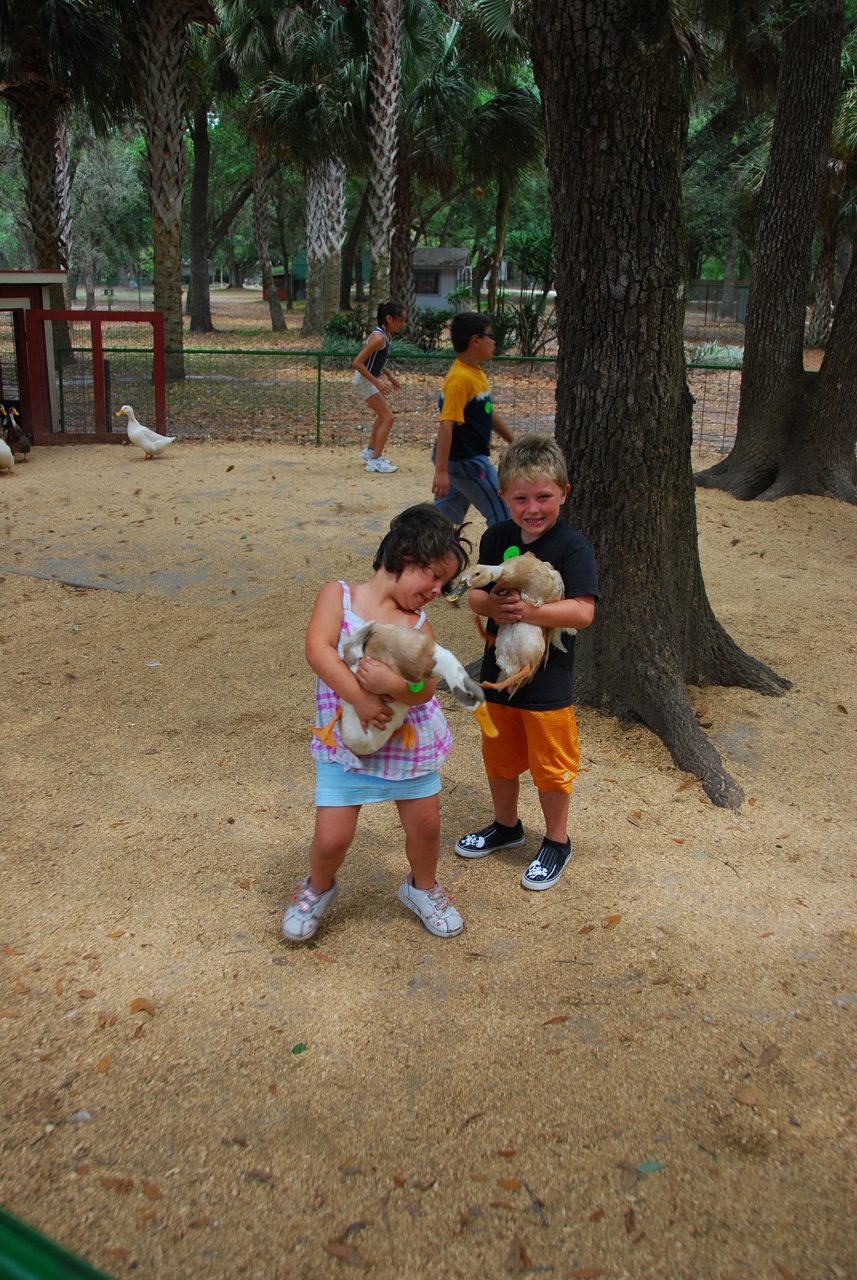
point(650, 1070)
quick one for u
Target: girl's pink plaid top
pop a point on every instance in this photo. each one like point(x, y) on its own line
point(394, 761)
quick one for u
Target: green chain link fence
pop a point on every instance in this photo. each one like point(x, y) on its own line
point(307, 396)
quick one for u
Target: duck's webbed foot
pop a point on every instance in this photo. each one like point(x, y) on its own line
point(510, 680)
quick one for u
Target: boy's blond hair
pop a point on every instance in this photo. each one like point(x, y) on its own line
point(530, 456)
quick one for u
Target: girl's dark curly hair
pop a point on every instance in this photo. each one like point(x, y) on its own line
point(422, 535)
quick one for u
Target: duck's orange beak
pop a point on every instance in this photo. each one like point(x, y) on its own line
point(483, 715)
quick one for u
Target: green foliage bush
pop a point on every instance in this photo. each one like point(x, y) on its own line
point(427, 325)
point(349, 326)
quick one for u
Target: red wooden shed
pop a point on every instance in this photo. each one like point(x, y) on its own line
point(28, 378)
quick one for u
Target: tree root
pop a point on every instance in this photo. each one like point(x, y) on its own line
point(727, 665)
point(669, 714)
point(743, 480)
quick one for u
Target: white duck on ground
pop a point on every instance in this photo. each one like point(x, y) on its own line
point(149, 441)
point(415, 657)
point(7, 459)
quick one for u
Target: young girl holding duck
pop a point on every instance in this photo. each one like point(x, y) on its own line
point(415, 563)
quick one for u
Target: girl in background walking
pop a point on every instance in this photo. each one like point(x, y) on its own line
point(368, 368)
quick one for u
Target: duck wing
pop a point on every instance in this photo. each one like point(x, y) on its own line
point(147, 439)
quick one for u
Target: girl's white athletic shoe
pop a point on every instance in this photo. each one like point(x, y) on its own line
point(305, 910)
point(434, 907)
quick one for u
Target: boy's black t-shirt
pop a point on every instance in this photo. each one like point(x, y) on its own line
point(572, 556)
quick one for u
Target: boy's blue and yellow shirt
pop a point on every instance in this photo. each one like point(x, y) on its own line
point(466, 401)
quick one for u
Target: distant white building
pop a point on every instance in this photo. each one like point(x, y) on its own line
point(437, 272)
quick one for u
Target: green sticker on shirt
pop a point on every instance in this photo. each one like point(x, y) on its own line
point(510, 553)
point(487, 406)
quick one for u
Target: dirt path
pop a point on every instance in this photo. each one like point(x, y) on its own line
point(184, 1095)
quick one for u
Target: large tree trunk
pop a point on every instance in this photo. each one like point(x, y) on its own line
point(773, 382)
point(616, 121)
point(385, 31)
point(818, 456)
point(818, 330)
point(727, 301)
point(334, 236)
point(844, 254)
point(236, 270)
point(349, 253)
point(315, 249)
point(199, 295)
point(261, 233)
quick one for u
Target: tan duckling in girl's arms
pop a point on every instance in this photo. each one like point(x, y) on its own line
point(415, 657)
point(520, 647)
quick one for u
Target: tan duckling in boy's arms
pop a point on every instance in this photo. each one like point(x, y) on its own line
point(520, 647)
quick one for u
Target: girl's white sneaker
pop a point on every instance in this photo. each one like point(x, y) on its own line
point(434, 907)
point(305, 910)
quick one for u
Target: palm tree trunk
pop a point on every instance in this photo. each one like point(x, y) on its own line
point(315, 249)
point(261, 232)
point(160, 85)
point(334, 200)
point(402, 286)
point(385, 31)
point(38, 111)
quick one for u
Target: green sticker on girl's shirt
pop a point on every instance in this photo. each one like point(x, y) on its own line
point(510, 553)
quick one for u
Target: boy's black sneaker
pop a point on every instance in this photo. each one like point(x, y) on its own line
point(489, 839)
point(548, 865)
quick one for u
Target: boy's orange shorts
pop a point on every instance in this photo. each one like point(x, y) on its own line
point(545, 742)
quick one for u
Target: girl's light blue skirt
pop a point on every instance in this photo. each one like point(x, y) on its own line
point(335, 788)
